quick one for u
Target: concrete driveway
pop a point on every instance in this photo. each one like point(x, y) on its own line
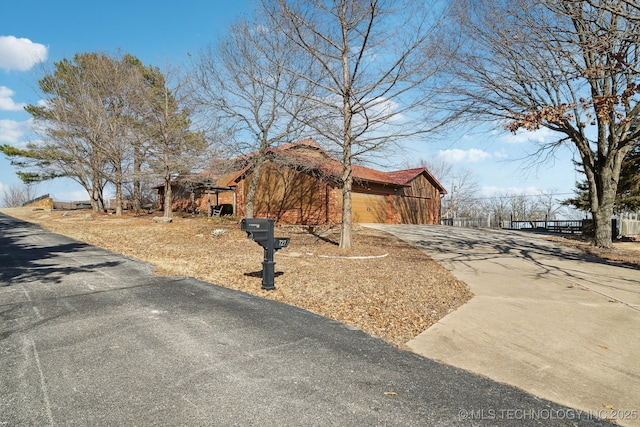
point(545, 318)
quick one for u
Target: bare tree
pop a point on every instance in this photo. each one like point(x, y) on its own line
point(569, 66)
point(113, 85)
point(462, 200)
point(14, 196)
point(462, 197)
point(377, 58)
point(171, 148)
point(86, 124)
point(548, 204)
point(519, 206)
point(244, 84)
point(628, 9)
point(498, 207)
point(69, 132)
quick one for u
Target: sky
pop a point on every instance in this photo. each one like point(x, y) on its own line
point(39, 32)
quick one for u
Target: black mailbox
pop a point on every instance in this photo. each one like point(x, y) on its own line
point(257, 229)
point(260, 230)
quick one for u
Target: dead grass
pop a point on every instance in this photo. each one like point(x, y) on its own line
point(622, 252)
point(382, 285)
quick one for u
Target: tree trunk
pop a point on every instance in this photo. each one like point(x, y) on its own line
point(168, 199)
point(94, 201)
point(253, 186)
point(602, 179)
point(118, 185)
point(347, 184)
point(602, 205)
point(345, 230)
point(97, 200)
point(137, 186)
point(602, 227)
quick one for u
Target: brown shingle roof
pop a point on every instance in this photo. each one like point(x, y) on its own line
point(406, 175)
point(328, 165)
point(372, 175)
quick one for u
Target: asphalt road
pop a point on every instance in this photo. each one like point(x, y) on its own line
point(88, 337)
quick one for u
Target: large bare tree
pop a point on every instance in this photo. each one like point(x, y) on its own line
point(244, 84)
point(85, 124)
point(70, 131)
point(104, 118)
point(112, 84)
point(377, 59)
point(169, 145)
point(569, 66)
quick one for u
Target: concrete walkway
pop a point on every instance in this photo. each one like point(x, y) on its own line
point(545, 318)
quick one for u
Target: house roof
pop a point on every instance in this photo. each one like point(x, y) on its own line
point(372, 175)
point(328, 165)
point(407, 175)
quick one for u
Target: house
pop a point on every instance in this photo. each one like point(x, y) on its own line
point(299, 184)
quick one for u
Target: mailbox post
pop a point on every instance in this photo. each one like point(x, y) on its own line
point(260, 230)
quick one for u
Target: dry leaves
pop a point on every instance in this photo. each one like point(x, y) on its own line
point(625, 252)
point(395, 297)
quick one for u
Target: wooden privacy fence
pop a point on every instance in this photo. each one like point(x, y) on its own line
point(630, 228)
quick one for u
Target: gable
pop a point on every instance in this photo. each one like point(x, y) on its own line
point(407, 176)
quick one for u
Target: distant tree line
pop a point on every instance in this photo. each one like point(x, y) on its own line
point(14, 196)
point(464, 200)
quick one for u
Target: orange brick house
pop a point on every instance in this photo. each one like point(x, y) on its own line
point(299, 185)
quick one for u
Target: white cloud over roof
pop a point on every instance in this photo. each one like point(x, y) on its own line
point(472, 155)
point(20, 53)
point(6, 101)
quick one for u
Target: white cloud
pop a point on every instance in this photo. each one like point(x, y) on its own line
point(541, 135)
point(500, 155)
point(473, 155)
point(20, 53)
point(490, 190)
point(11, 131)
point(6, 103)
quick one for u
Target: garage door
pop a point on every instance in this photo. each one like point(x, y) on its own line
point(413, 210)
point(368, 208)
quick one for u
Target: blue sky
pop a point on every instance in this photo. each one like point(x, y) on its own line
point(163, 32)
